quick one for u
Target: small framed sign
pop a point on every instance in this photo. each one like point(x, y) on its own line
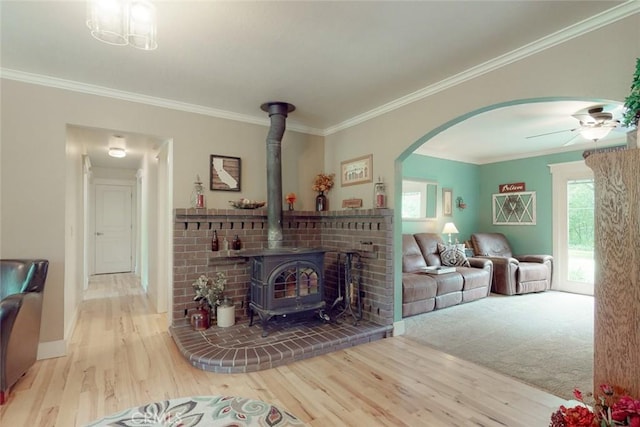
point(225, 173)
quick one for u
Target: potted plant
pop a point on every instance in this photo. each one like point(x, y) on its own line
point(209, 294)
point(632, 102)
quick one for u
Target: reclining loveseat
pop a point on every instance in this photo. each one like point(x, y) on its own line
point(424, 290)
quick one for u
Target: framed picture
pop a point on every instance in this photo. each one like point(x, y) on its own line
point(357, 171)
point(514, 208)
point(224, 173)
point(447, 202)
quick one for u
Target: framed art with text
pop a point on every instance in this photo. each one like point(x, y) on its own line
point(225, 173)
point(356, 171)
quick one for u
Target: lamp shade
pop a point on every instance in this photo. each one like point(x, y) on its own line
point(450, 228)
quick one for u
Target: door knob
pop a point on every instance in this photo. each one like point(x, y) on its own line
point(99, 234)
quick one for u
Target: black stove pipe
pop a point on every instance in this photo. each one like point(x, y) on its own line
point(278, 112)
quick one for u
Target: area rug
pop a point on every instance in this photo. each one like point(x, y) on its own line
point(543, 339)
point(209, 411)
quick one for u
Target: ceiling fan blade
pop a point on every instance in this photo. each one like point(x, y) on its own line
point(552, 133)
point(572, 140)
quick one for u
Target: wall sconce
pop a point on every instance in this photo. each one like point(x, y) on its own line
point(460, 203)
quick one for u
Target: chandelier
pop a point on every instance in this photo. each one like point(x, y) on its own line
point(123, 22)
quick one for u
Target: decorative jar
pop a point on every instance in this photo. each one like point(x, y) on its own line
point(321, 202)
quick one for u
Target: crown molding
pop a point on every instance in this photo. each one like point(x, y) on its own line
point(610, 16)
point(603, 19)
point(85, 88)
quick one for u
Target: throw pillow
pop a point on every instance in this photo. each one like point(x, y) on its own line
point(453, 255)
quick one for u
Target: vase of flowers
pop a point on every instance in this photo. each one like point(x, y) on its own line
point(612, 407)
point(322, 183)
point(290, 199)
point(208, 294)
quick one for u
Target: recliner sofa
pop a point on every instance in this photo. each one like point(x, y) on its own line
point(422, 292)
point(513, 275)
point(21, 287)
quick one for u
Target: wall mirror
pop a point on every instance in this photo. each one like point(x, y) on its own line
point(419, 199)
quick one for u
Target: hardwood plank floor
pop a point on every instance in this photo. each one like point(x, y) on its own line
point(122, 356)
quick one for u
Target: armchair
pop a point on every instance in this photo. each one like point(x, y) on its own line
point(21, 286)
point(513, 275)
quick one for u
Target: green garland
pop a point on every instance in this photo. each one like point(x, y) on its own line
point(632, 102)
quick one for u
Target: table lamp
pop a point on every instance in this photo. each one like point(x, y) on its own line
point(450, 228)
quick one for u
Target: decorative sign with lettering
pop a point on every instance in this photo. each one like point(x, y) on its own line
point(514, 187)
point(352, 203)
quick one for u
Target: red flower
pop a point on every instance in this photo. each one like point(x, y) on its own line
point(606, 389)
point(578, 394)
point(625, 408)
point(578, 416)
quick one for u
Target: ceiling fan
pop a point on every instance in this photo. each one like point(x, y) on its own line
point(594, 124)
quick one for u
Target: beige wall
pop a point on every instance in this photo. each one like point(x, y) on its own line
point(34, 120)
point(598, 65)
point(38, 174)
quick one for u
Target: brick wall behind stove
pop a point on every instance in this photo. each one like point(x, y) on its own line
point(368, 231)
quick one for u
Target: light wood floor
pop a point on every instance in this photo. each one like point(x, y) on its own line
point(122, 356)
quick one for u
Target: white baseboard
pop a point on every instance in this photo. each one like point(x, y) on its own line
point(59, 348)
point(399, 328)
point(51, 349)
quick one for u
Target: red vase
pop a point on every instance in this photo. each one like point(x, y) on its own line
point(201, 319)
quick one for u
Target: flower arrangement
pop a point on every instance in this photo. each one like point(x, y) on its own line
point(613, 408)
point(290, 198)
point(209, 291)
point(323, 182)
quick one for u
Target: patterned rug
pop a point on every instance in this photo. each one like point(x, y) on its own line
point(210, 411)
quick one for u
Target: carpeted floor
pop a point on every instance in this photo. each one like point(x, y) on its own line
point(205, 411)
point(545, 340)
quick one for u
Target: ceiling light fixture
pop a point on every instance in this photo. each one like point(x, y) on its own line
point(595, 132)
point(117, 152)
point(123, 22)
point(117, 146)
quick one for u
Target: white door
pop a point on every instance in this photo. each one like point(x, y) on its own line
point(113, 228)
point(573, 228)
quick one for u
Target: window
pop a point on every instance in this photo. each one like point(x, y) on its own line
point(580, 225)
point(573, 227)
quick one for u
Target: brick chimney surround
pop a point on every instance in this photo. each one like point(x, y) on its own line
point(242, 348)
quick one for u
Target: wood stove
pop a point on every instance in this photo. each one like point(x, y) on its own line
point(286, 281)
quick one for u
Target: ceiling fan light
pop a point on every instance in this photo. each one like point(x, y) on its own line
point(595, 132)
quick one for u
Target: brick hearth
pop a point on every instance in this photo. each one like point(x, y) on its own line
point(368, 231)
point(241, 348)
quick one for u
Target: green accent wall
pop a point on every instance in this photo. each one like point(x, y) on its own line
point(462, 178)
point(476, 184)
point(535, 173)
